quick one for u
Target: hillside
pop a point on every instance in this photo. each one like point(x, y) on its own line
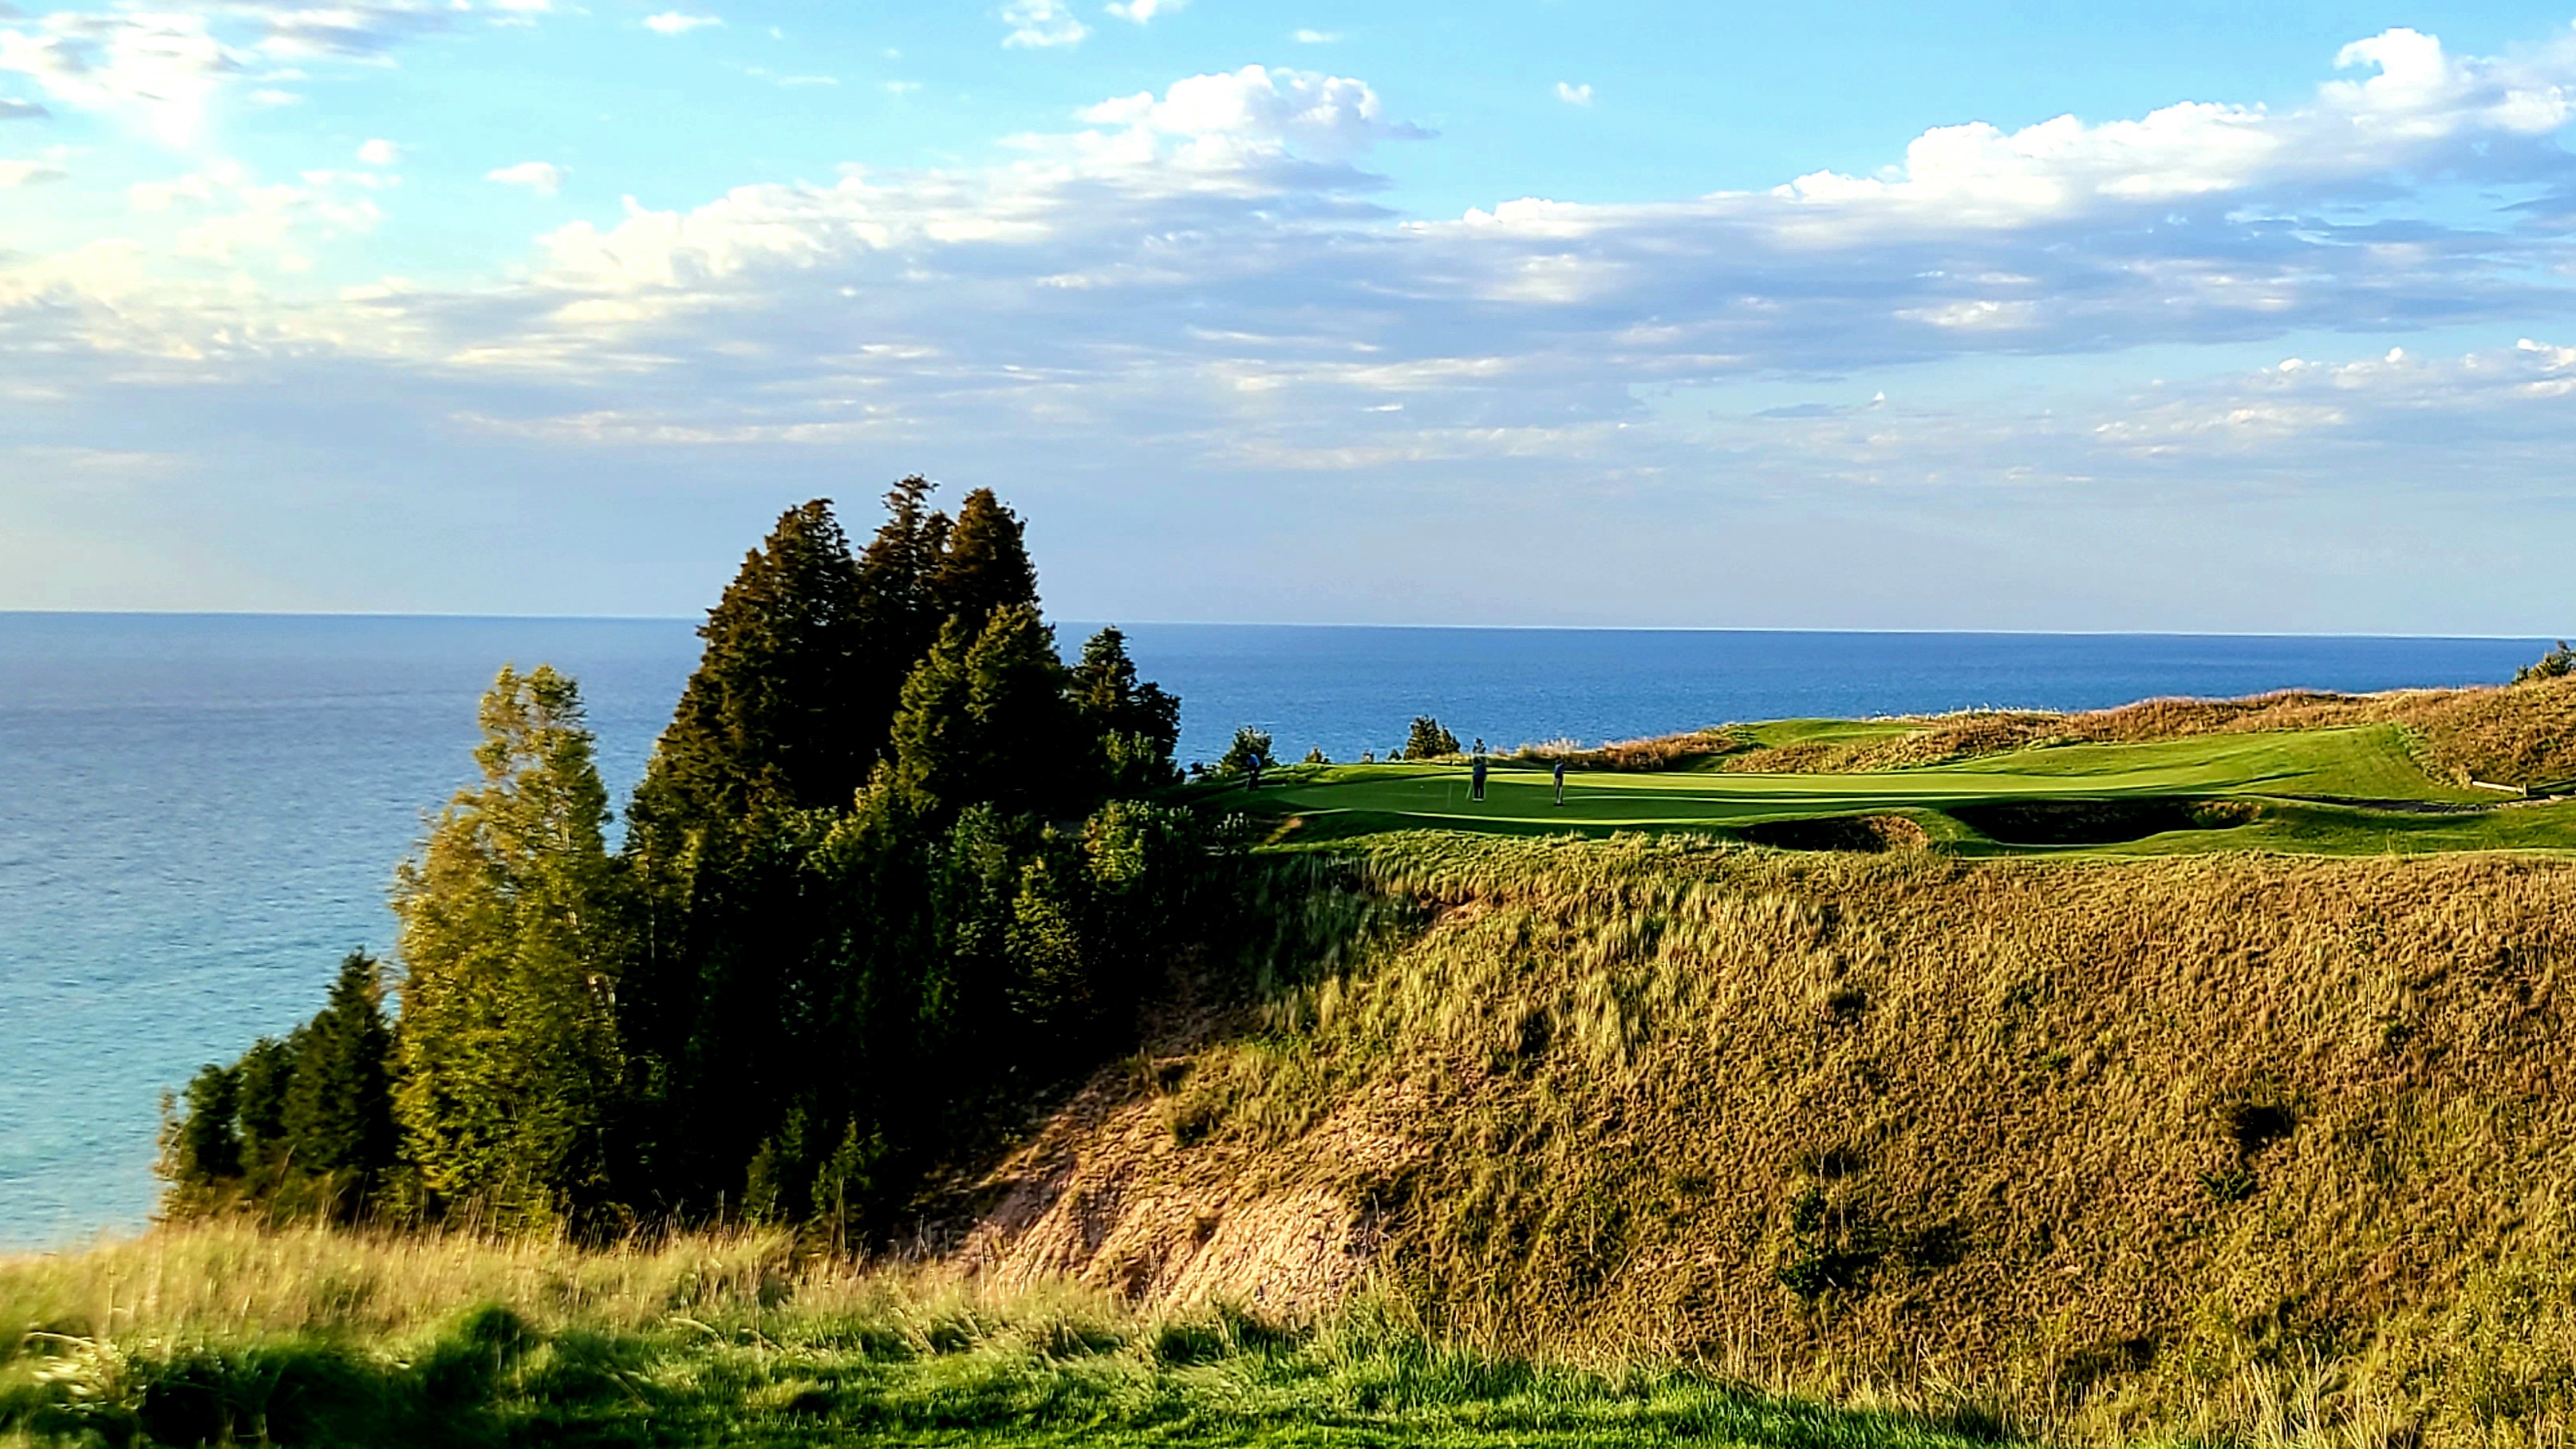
point(2122, 1147)
point(2522, 735)
point(1899, 1103)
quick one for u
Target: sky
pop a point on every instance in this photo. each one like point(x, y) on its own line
point(2115, 316)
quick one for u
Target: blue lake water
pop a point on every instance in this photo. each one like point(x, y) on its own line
point(199, 814)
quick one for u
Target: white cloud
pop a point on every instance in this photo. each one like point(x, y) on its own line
point(1316, 37)
point(1202, 275)
point(1042, 24)
point(901, 88)
point(542, 177)
point(1574, 95)
point(26, 173)
point(1225, 118)
point(673, 22)
point(380, 153)
point(1143, 11)
point(162, 68)
point(20, 110)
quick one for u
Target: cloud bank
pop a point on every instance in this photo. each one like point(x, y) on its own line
point(1204, 282)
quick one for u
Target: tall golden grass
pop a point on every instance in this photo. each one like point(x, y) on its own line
point(2523, 734)
point(2268, 1148)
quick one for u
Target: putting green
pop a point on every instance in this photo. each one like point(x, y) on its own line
point(2340, 791)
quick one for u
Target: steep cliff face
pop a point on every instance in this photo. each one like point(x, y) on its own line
point(2116, 1137)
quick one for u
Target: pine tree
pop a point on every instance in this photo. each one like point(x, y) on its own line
point(986, 568)
point(339, 1104)
point(508, 1062)
point(1428, 740)
point(762, 725)
point(260, 1081)
point(898, 613)
point(985, 718)
point(200, 1150)
point(1137, 725)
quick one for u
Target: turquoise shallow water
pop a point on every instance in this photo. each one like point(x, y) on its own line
point(199, 814)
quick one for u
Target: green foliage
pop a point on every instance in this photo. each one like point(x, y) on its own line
point(761, 726)
point(898, 610)
point(1428, 741)
point(339, 1103)
point(1249, 745)
point(2558, 663)
point(791, 990)
point(302, 1126)
point(1138, 725)
point(985, 717)
point(203, 1146)
point(509, 1053)
point(985, 568)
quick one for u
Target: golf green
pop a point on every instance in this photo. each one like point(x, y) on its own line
point(2338, 791)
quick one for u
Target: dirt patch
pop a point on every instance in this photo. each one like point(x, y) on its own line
point(2099, 822)
point(1110, 1195)
point(1874, 834)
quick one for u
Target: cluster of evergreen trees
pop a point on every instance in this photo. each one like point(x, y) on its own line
point(891, 868)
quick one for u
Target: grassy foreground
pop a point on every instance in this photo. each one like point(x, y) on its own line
point(221, 1335)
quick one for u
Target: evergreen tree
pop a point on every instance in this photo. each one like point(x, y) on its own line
point(985, 718)
point(1138, 725)
point(298, 1127)
point(260, 1080)
point(986, 566)
point(1428, 740)
point(338, 1111)
point(1249, 744)
point(508, 1054)
point(200, 1150)
point(762, 725)
point(898, 611)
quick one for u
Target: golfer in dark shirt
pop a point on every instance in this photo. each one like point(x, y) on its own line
point(1476, 779)
point(1252, 770)
point(1560, 782)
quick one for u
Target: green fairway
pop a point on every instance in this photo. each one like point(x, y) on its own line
point(2336, 791)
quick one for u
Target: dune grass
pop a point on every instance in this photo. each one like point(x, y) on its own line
point(2188, 1148)
point(221, 1334)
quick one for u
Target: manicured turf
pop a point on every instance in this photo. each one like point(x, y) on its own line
point(2337, 791)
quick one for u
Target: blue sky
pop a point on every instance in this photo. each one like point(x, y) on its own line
point(1878, 315)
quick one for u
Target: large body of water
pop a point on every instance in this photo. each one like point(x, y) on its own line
point(199, 814)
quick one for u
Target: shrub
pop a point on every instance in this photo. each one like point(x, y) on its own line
point(1249, 744)
point(2558, 663)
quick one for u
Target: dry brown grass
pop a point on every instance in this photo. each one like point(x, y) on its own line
point(1663, 752)
point(2273, 1149)
point(2522, 735)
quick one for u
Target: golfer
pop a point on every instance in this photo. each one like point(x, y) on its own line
point(1560, 782)
point(1476, 776)
point(1252, 771)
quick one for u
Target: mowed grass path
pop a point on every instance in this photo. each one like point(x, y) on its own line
point(2338, 791)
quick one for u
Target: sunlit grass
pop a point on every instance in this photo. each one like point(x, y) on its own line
point(220, 1334)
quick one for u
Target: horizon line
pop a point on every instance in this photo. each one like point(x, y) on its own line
point(2139, 633)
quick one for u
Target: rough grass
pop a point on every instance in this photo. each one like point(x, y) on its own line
point(2522, 735)
point(223, 1335)
point(2231, 1148)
